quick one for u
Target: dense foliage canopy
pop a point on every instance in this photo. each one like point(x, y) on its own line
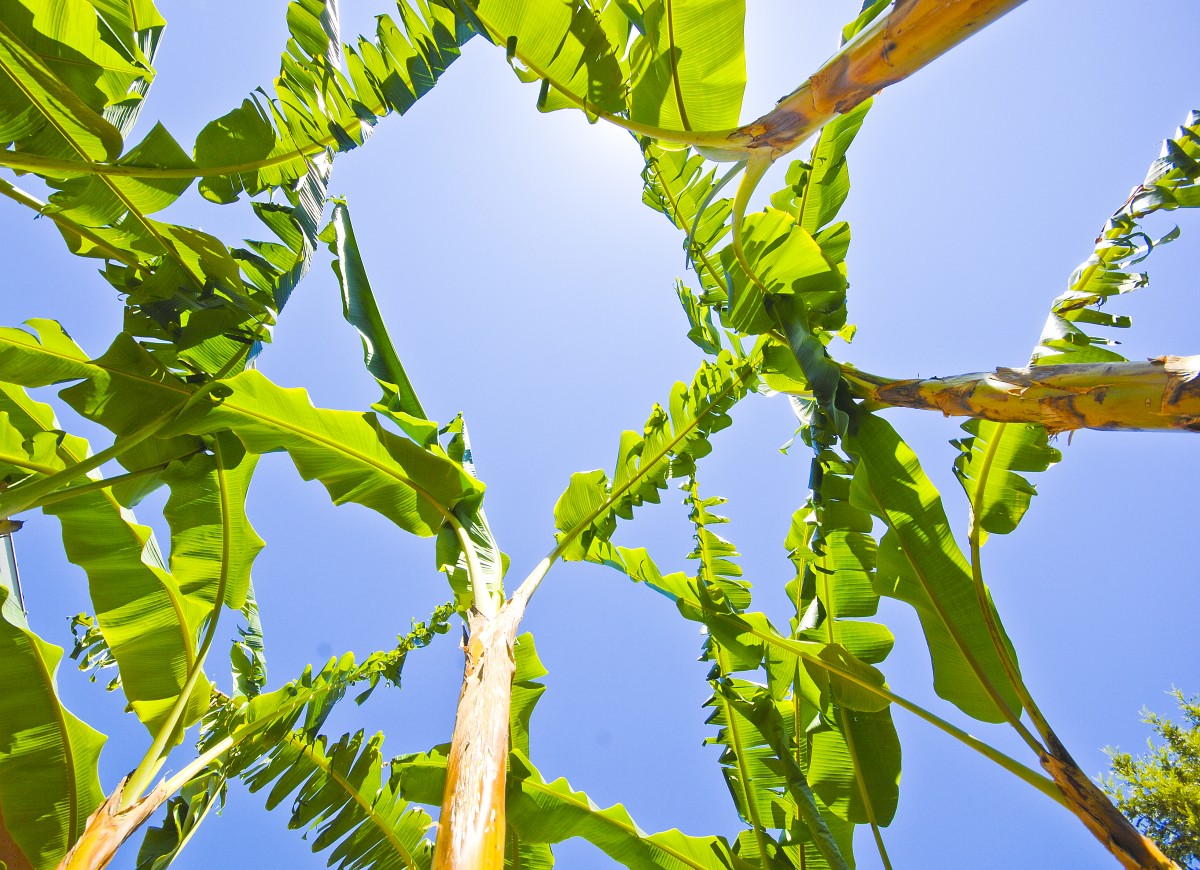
point(801, 711)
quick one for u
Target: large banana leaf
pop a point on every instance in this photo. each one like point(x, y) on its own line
point(853, 756)
point(818, 797)
point(920, 563)
point(400, 403)
point(830, 543)
point(147, 622)
point(362, 312)
point(183, 287)
point(351, 454)
point(684, 70)
point(40, 111)
point(212, 542)
point(48, 757)
point(59, 118)
point(689, 64)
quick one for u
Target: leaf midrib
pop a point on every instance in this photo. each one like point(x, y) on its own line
point(308, 435)
point(738, 743)
point(368, 809)
point(944, 617)
point(644, 468)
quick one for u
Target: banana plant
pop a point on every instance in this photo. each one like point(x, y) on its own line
point(803, 715)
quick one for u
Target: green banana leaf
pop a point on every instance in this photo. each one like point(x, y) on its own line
point(566, 46)
point(671, 443)
point(41, 111)
point(351, 454)
point(989, 465)
point(318, 108)
point(1173, 181)
point(689, 65)
point(212, 542)
point(49, 783)
point(146, 620)
point(362, 312)
point(273, 741)
point(921, 564)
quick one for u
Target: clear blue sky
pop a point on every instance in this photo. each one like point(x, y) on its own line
point(527, 286)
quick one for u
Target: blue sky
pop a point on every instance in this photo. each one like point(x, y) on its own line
point(527, 286)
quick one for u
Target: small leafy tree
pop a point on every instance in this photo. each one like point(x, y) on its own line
point(1160, 791)
point(803, 714)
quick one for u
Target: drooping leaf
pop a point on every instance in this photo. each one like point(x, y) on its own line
point(920, 563)
point(145, 620)
point(988, 466)
point(362, 312)
point(48, 757)
point(350, 454)
point(401, 405)
point(703, 332)
point(714, 556)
